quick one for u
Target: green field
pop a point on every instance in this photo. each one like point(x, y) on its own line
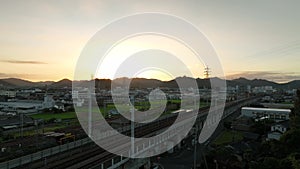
point(228, 137)
point(104, 111)
point(48, 116)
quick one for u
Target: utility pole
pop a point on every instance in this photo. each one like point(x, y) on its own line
point(217, 165)
point(90, 110)
point(132, 126)
point(21, 118)
point(36, 134)
point(195, 148)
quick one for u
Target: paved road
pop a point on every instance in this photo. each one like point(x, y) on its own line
point(184, 159)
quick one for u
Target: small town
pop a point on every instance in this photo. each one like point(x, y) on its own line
point(35, 118)
point(139, 84)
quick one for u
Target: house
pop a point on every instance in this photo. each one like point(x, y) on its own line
point(113, 112)
point(60, 106)
point(8, 93)
point(278, 129)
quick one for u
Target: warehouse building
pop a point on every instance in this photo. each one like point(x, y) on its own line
point(266, 113)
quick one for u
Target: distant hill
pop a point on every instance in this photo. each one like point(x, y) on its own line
point(252, 83)
point(64, 83)
point(202, 83)
point(145, 83)
point(103, 83)
point(45, 83)
point(5, 84)
point(291, 85)
point(15, 83)
point(20, 83)
point(136, 82)
point(240, 81)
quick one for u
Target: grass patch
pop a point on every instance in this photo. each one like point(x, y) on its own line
point(175, 101)
point(228, 137)
point(141, 106)
point(48, 116)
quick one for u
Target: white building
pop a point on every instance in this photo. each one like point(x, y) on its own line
point(278, 129)
point(8, 93)
point(27, 106)
point(263, 89)
point(273, 114)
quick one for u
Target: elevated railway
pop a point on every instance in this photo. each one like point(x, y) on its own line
point(91, 155)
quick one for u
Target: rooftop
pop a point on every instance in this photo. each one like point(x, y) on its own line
point(22, 104)
point(266, 109)
point(285, 124)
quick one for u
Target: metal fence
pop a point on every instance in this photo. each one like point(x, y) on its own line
point(42, 154)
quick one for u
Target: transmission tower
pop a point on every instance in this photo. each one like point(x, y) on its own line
point(206, 72)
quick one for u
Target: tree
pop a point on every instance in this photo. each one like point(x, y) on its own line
point(297, 104)
point(291, 140)
point(267, 163)
point(286, 164)
point(294, 158)
point(227, 124)
point(295, 120)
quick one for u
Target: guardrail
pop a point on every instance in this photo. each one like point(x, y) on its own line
point(119, 160)
point(43, 154)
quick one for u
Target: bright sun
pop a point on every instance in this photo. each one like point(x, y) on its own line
point(167, 69)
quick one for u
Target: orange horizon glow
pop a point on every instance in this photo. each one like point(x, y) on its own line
point(42, 40)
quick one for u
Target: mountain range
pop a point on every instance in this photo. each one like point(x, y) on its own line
point(145, 83)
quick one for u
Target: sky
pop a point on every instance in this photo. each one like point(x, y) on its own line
point(42, 40)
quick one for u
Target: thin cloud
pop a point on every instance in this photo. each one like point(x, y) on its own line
point(22, 62)
point(280, 77)
point(285, 49)
point(13, 75)
point(21, 76)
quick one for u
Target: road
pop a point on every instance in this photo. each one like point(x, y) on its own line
point(184, 158)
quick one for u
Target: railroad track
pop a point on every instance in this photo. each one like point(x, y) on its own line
point(97, 155)
point(103, 155)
